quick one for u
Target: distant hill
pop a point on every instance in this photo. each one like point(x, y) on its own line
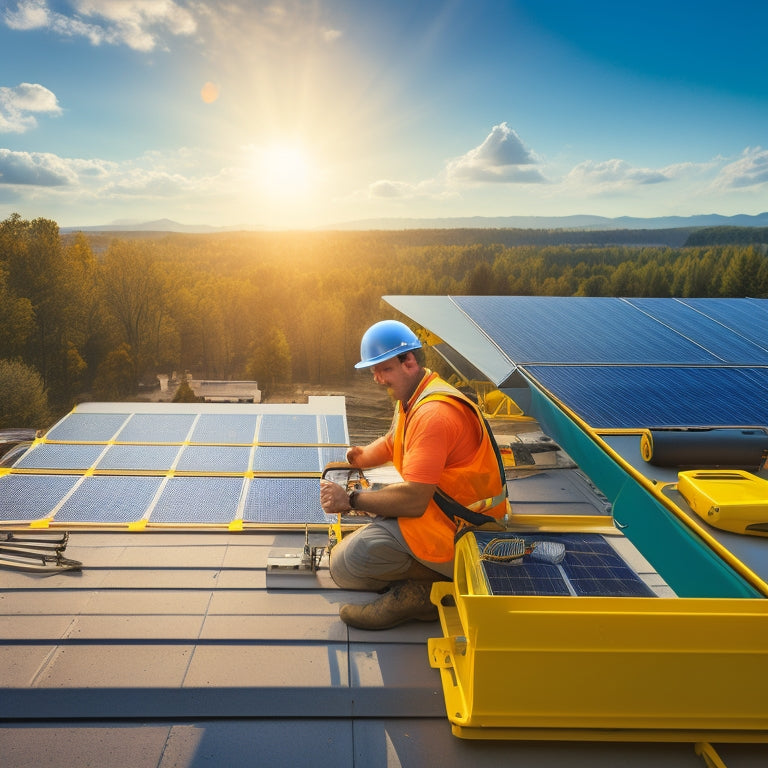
point(580, 222)
point(566, 223)
point(160, 225)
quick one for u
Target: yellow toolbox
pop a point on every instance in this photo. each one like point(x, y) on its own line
point(732, 500)
point(597, 668)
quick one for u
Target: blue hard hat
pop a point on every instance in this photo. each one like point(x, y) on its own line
point(384, 340)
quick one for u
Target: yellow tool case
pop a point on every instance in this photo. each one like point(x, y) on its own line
point(593, 658)
point(733, 500)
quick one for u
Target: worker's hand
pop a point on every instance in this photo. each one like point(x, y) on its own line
point(333, 499)
point(354, 454)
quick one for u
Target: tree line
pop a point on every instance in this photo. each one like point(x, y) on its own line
point(84, 317)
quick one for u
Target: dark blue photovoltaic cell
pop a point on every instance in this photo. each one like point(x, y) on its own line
point(156, 428)
point(87, 427)
point(228, 428)
point(641, 397)
point(198, 500)
point(555, 329)
point(729, 345)
point(159, 458)
point(214, 458)
point(272, 459)
point(333, 430)
point(282, 428)
point(284, 500)
point(199, 446)
point(327, 455)
point(747, 317)
point(55, 456)
point(591, 567)
point(109, 499)
point(31, 497)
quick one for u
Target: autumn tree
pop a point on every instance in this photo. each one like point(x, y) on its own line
point(24, 402)
point(269, 362)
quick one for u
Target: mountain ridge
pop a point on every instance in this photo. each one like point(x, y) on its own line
point(573, 222)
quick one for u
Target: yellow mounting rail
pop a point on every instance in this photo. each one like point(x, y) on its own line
point(599, 668)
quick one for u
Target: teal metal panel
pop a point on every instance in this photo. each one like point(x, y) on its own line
point(683, 560)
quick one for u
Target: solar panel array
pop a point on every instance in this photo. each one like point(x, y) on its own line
point(590, 568)
point(618, 363)
point(173, 464)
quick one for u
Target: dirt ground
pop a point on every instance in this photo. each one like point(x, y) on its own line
point(369, 409)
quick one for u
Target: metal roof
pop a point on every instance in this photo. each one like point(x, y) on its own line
point(171, 649)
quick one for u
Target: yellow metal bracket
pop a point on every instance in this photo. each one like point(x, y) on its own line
point(706, 751)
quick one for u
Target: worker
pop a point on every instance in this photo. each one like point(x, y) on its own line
point(452, 476)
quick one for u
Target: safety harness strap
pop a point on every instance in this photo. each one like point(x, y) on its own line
point(473, 515)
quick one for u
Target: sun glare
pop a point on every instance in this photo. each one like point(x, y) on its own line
point(283, 170)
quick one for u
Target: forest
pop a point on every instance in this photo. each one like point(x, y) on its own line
point(97, 317)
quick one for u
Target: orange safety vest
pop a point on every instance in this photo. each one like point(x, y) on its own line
point(477, 485)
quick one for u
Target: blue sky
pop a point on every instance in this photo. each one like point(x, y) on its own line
point(304, 113)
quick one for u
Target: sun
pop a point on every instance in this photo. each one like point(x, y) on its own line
point(283, 169)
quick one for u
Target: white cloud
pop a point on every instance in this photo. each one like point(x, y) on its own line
point(750, 170)
point(502, 157)
point(331, 35)
point(139, 24)
point(31, 14)
point(391, 189)
point(143, 25)
point(34, 169)
point(18, 104)
point(613, 175)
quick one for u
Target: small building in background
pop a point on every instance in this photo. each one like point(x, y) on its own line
point(226, 391)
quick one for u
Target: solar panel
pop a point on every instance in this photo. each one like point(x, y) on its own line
point(157, 428)
point(87, 427)
point(646, 396)
point(108, 499)
point(283, 500)
point(55, 456)
point(32, 497)
point(159, 458)
point(193, 500)
point(225, 428)
point(281, 428)
point(616, 363)
point(150, 464)
point(214, 458)
point(281, 459)
point(590, 568)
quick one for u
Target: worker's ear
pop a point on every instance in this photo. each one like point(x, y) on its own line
point(410, 363)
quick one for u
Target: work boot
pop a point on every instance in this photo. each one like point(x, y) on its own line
point(406, 600)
